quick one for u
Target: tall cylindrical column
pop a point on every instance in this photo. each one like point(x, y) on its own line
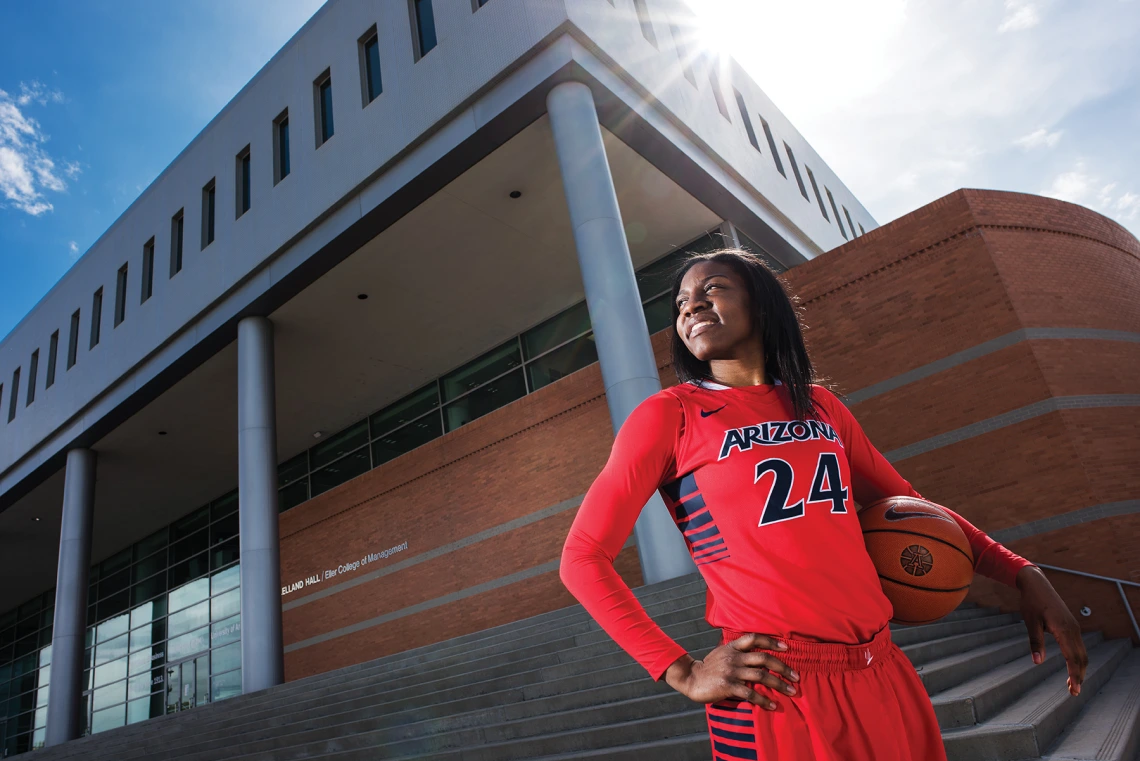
point(65, 698)
point(629, 370)
point(262, 650)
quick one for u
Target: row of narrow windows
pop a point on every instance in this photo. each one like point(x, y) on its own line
point(424, 40)
point(681, 44)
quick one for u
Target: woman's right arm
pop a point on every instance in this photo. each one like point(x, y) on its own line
point(641, 458)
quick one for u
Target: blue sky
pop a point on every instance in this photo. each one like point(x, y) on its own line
point(906, 100)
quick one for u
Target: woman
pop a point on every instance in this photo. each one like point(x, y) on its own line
point(806, 668)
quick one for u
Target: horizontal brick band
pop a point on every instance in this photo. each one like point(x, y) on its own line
point(1020, 415)
point(423, 557)
point(988, 347)
point(1065, 520)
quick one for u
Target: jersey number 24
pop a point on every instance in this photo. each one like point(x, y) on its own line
point(826, 486)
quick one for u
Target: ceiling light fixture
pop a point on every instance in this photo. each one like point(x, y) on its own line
point(362, 296)
point(36, 519)
point(162, 433)
point(317, 434)
point(516, 194)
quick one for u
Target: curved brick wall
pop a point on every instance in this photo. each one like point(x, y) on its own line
point(990, 345)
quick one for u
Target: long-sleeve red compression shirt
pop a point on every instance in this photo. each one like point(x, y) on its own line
point(767, 508)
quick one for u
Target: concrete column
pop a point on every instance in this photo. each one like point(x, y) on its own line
point(65, 697)
point(629, 370)
point(262, 650)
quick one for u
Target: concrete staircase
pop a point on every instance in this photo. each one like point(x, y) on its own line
point(556, 687)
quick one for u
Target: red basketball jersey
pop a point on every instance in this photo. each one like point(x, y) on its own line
point(766, 504)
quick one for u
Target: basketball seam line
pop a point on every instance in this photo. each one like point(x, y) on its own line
point(924, 536)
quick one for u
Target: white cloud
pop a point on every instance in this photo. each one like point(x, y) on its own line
point(73, 250)
point(1040, 138)
point(27, 172)
point(1019, 15)
point(1082, 186)
point(1128, 206)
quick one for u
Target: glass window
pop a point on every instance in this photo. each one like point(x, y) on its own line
point(188, 644)
point(224, 505)
point(225, 658)
point(225, 605)
point(339, 444)
point(293, 495)
point(557, 330)
point(73, 340)
point(290, 470)
point(225, 686)
point(139, 663)
point(659, 313)
point(138, 686)
point(486, 399)
point(116, 562)
point(186, 526)
point(147, 288)
point(561, 362)
point(372, 69)
point(113, 628)
point(425, 26)
point(148, 588)
point(282, 139)
point(405, 410)
point(109, 695)
point(324, 98)
point(244, 188)
point(225, 632)
point(208, 207)
point(342, 470)
point(108, 718)
point(96, 317)
point(176, 229)
point(190, 546)
point(115, 582)
point(188, 619)
point(111, 650)
point(223, 580)
point(146, 613)
point(223, 529)
point(657, 278)
point(53, 350)
point(121, 295)
point(111, 672)
point(224, 554)
point(188, 595)
point(138, 710)
point(750, 245)
point(193, 568)
point(150, 565)
point(470, 376)
point(153, 543)
point(407, 438)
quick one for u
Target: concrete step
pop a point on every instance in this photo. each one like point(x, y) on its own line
point(976, 700)
point(1030, 723)
point(921, 653)
point(942, 674)
point(1108, 729)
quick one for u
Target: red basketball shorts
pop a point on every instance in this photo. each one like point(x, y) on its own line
point(852, 703)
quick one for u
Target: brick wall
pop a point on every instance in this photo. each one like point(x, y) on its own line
point(968, 268)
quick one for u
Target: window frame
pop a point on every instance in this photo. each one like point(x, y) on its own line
point(243, 182)
point(282, 165)
point(320, 117)
point(146, 284)
point(121, 280)
point(177, 240)
point(209, 212)
point(370, 37)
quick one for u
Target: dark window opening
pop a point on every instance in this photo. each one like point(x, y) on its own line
point(73, 341)
point(53, 350)
point(747, 121)
point(861, 230)
point(176, 244)
point(243, 182)
point(370, 58)
point(772, 146)
point(796, 171)
point(645, 21)
point(818, 197)
point(208, 207)
point(850, 224)
point(424, 18)
point(324, 109)
point(13, 394)
point(120, 296)
point(96, 317)
point(838, 221)
point(683, 54)
point(147, 271)
point(33, 370)
point(714, 79)
point(281, 147)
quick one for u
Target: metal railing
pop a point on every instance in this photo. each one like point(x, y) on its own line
point(1120, 583)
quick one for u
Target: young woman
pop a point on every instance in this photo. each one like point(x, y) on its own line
point(806, 668)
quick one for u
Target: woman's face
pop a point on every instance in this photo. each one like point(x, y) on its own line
point(715, 317)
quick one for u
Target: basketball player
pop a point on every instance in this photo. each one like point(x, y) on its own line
point(806, 668)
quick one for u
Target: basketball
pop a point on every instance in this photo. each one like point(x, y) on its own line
point(924, 560)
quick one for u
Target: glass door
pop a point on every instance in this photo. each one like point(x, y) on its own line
point(188, 683)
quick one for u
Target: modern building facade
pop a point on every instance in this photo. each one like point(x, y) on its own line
point(416, 215)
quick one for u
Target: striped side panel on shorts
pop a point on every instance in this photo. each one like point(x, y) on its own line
point(732, 730)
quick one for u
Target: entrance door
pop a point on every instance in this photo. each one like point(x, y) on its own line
point(188, 683)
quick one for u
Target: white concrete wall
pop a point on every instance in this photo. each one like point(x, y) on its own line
point(426, 106)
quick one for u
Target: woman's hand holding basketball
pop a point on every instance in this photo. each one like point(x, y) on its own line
point(729, 671)
point(1044, 610)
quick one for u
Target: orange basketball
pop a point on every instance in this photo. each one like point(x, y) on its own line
point(923, 558)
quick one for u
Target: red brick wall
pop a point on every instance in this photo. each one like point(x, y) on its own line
point(970, 267)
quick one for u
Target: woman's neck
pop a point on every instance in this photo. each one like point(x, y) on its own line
point(745, 369)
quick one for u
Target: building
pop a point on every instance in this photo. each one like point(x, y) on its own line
point(401, 339)
point(368, 250)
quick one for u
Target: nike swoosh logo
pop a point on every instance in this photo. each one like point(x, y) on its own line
point(892, 514)
point(718, 409)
